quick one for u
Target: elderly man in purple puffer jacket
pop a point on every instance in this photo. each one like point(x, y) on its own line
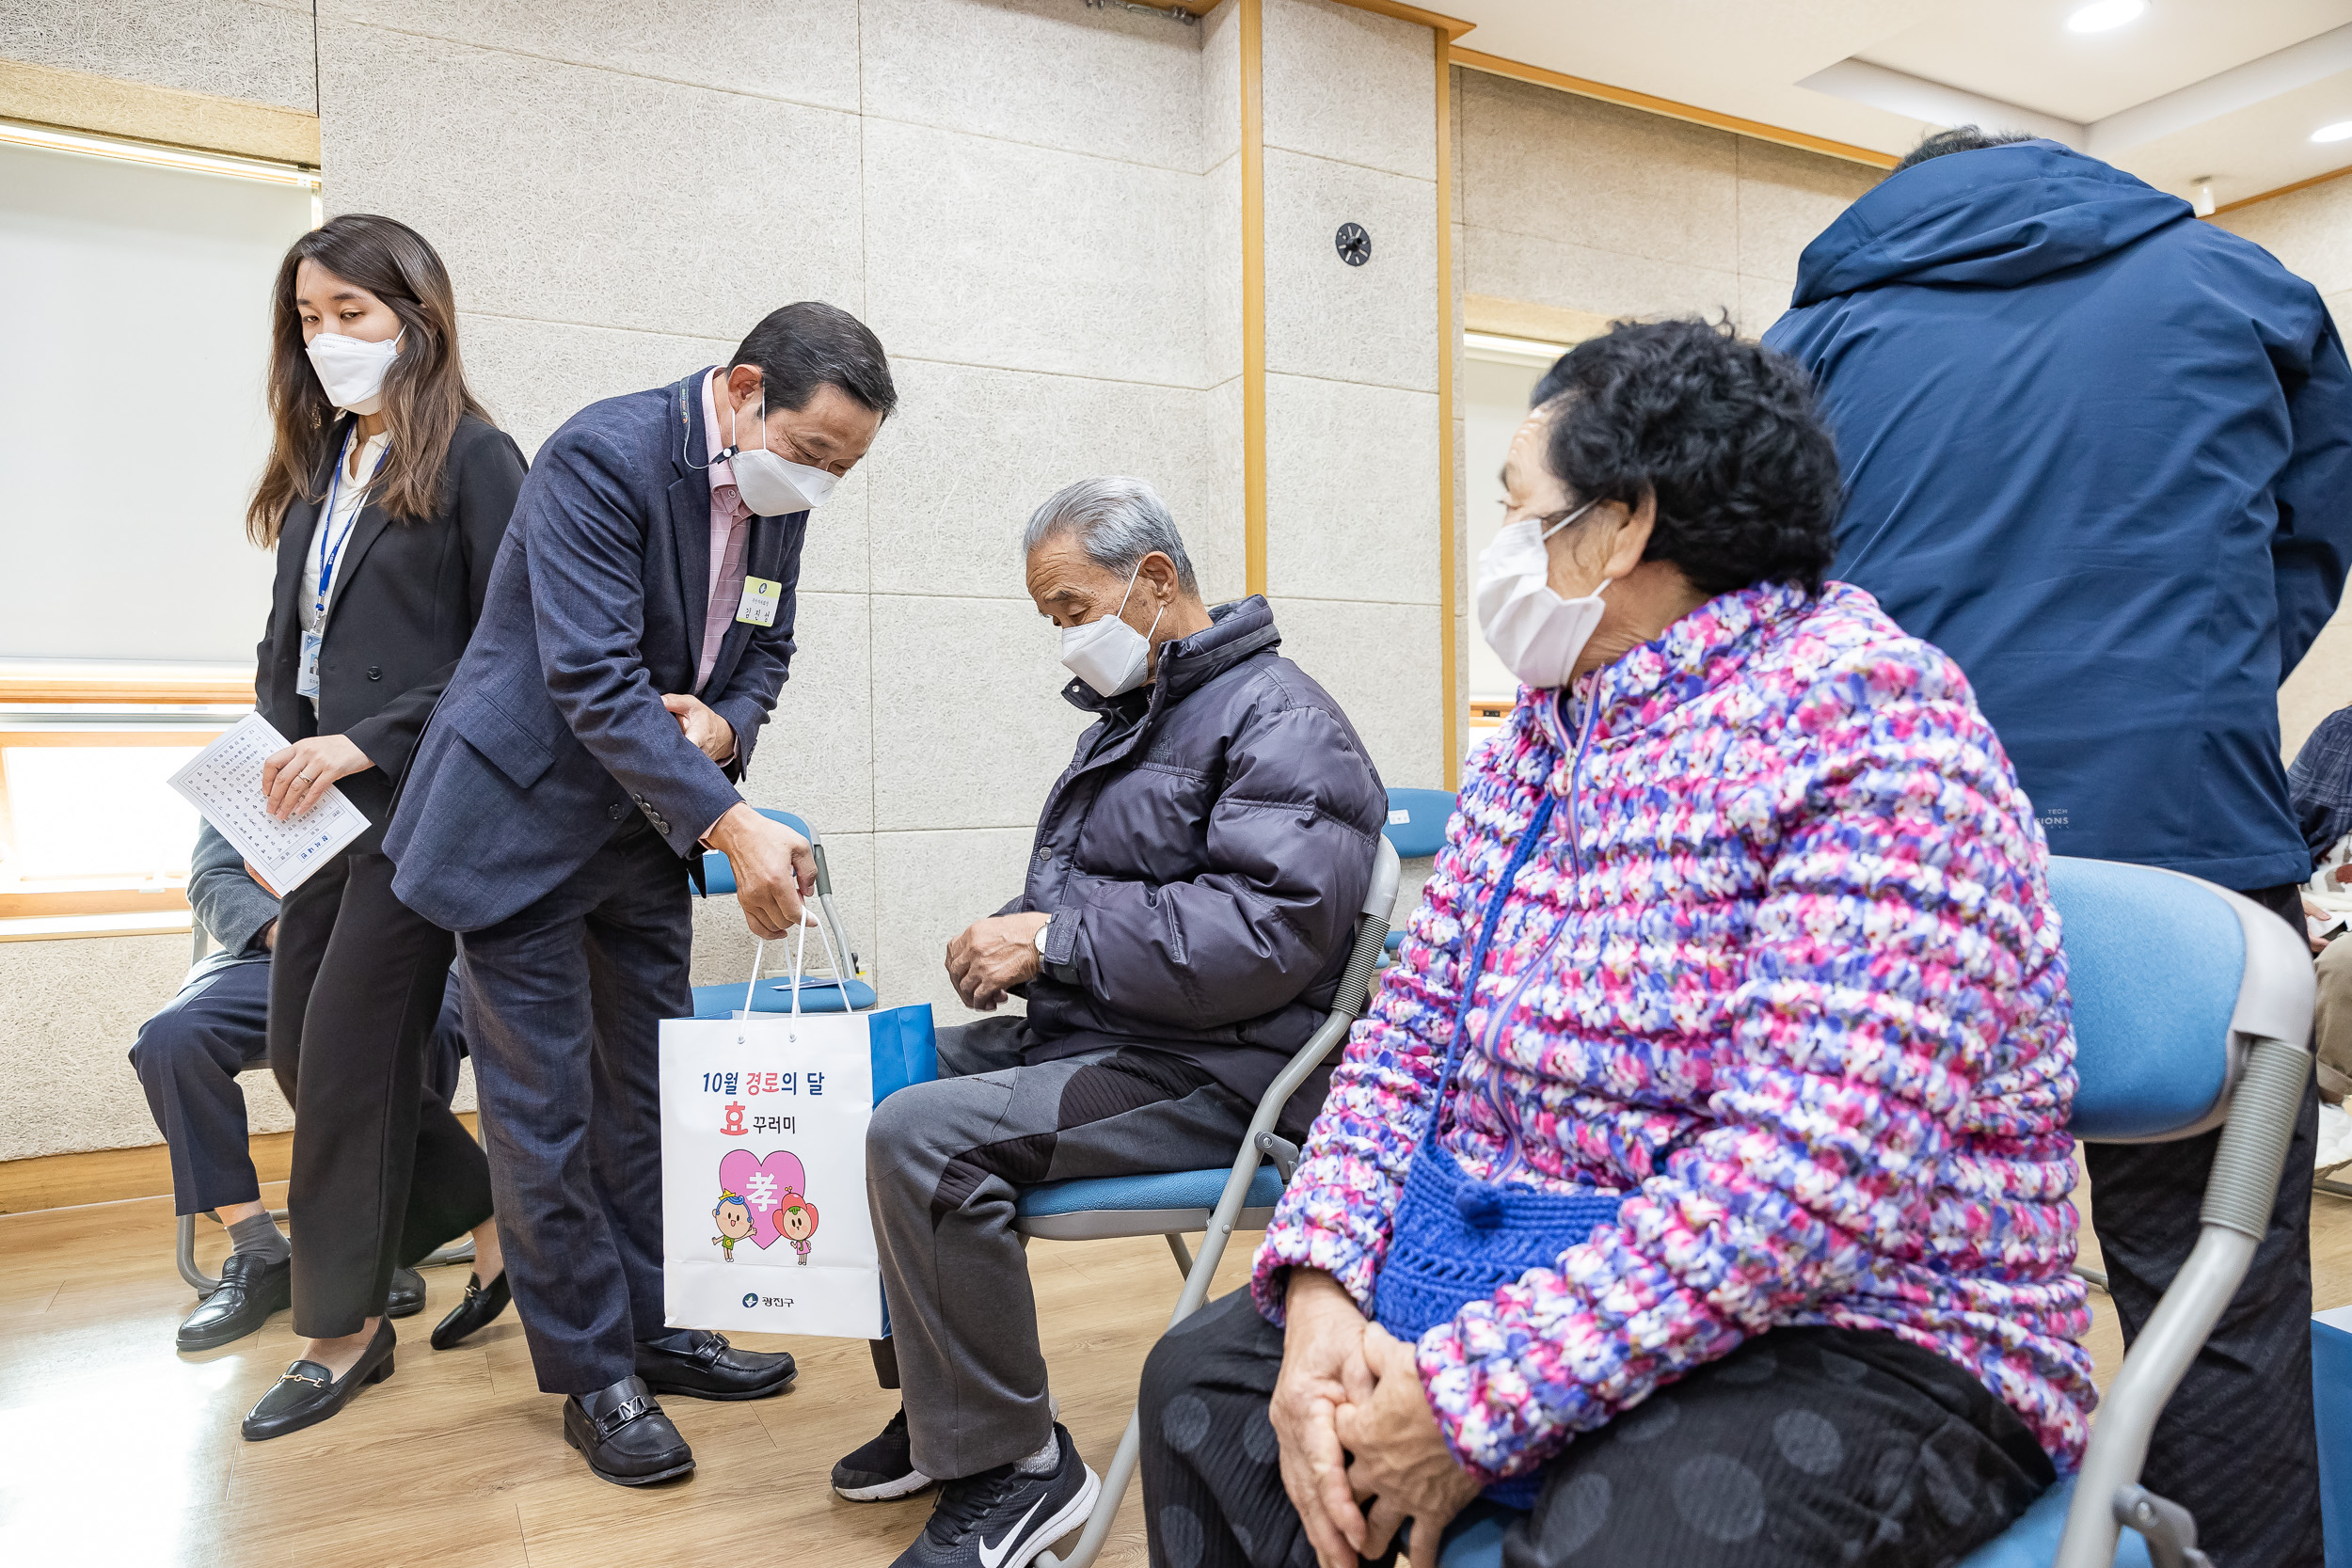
point(1191, 903)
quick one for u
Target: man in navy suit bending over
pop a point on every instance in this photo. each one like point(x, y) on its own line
point(638, 626)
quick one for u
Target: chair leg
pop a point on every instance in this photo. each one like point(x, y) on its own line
point(1184, 1254)
point(201, 1283)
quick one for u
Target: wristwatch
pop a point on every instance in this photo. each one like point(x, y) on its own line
point(1040, 938)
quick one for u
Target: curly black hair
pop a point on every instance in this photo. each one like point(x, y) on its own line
point(1724, 433)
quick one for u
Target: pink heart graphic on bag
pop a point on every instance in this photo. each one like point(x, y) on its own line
point(761, 1184)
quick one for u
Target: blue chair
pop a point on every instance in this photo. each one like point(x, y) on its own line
point(1214, 1202)
point(2192, 1010)
point(819, 994)
point(1417, 819)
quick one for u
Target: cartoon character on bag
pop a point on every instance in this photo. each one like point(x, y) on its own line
point(796, 1222)
point(735, 1223)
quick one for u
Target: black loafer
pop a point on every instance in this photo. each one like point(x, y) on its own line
point(479, 1310)
point(307, 1394)
point(714, 1369)
point(407, 1297)
point(624, 1436)
point(249, 1291)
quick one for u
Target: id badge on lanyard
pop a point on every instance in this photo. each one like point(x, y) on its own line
point(307, 674)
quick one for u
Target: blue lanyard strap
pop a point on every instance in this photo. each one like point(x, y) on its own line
point(1528, 841)
point(326, 523)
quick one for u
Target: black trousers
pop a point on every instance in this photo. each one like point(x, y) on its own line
point(383, 1171)
point(2236, 1446)
point(1802, 1447)
point(564, 1000)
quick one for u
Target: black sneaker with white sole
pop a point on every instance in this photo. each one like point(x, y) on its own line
point(882, 1469)
point(1001, 1518)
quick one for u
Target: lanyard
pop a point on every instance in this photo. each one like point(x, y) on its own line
point(327, 524)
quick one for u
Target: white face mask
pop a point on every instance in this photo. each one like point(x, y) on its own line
point(771, 485)
point(1535, 632)
point(350, 369)
point(1107, 653)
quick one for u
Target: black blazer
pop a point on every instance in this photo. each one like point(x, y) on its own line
point(406, 596)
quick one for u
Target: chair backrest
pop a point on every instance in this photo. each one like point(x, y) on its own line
point(1417, 819)
point(1371, 934)
point(719, 876)
point(2171, 977)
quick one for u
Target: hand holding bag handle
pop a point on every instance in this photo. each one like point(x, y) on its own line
point(759, 955)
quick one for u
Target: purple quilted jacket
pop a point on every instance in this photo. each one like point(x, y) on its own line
point(1794, 987)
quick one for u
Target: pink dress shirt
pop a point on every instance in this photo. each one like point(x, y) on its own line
point(728, 536)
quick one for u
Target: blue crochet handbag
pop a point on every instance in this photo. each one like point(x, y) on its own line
point(1455, 1241)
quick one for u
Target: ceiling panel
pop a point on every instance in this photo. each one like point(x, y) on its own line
point(2020, 52)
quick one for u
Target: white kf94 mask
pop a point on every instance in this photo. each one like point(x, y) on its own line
point(1107, 653)
point(771, 485)
point(1535, 632)
point(350, 369)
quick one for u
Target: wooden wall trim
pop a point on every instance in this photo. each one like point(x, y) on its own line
point(1253, 390)
point(2284, 190)
point(110, 106)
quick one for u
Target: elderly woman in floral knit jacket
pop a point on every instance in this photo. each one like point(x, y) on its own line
point(1698, 1179)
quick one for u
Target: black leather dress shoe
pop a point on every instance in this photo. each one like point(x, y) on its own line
point(479, 1310)
point(624, 1436)
point(306, 1393)
point(249, 1291)
point(407, 1297)
point(714, 1369)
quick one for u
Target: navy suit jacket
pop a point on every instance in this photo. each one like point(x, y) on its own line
point(552, 729)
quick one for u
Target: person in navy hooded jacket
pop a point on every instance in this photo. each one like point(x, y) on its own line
point(2100, 453)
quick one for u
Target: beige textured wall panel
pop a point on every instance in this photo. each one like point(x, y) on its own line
point(1380, 662)
point(932, 885)
point(1787, 197)
point(1374, 323)
point(564, 194)
point(1607, 283)
point(974, 450)
point(1220, 271)
point(986, 252)
point(1351, 491)
point(1576, 171)
point(535, 375)
point(1351, 84)
point(734, 44)
point(1006, 68)
point(1221, 560)
point(1221, 84)
point(2310, 230)
point(815, 756)
point(74, 1008)
point(227, 48)
point(1761, 302)
point(969, 728)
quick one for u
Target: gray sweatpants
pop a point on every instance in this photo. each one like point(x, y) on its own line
point(942, 1162)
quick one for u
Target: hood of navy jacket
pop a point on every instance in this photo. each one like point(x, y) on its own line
point(1996, 217)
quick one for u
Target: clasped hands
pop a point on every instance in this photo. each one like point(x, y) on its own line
point(1356, 1430)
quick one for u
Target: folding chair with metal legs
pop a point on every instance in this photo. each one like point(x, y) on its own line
point(1173, 1204)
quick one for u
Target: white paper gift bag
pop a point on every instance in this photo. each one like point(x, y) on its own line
point(764, 1222)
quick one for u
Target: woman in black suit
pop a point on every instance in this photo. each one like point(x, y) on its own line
point(386, 497)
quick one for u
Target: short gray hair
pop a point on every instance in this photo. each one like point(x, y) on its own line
point(1118, 521)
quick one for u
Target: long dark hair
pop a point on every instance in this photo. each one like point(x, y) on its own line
point(425, 390)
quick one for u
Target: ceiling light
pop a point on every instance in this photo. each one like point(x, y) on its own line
point(2340, 131)
point(20, 134)
point(2100, 15)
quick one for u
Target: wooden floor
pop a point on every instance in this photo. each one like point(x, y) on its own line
point(116, 1449)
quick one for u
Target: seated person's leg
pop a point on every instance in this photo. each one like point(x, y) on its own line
point(2333, 1019)
point(1803, 1445)
point(1212, 1469)
point(187, 1058)
point(447, 1047)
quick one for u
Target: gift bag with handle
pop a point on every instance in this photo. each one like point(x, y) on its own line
point(764, 1223)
